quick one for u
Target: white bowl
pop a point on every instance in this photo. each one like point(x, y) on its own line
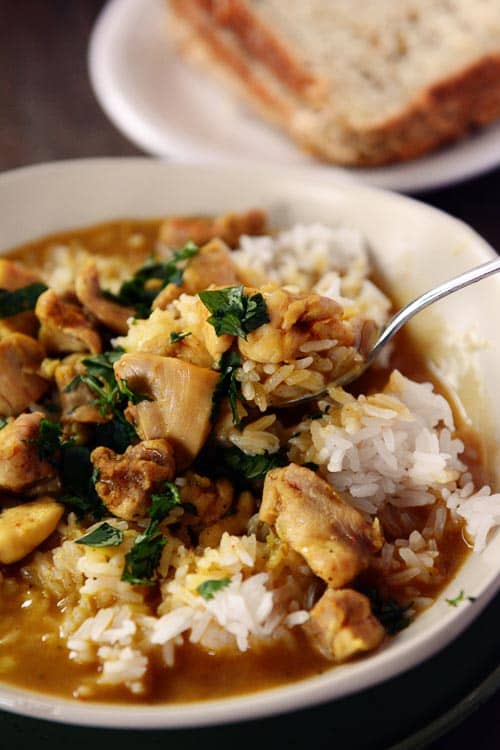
point(414, 247)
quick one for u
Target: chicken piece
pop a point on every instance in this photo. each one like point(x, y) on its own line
point(211, 265)
point(153, 336)
point(211, 498)
point(294, 320)
point(175, 232)
point(24, 527)
point(16, 276)
point(181, 404)
point(234, 523)
point(20, 384)
point(65, 327)
point(127, 481)
point(20, 464)
point(306, 512)
point(341, 624)
point(89, 293)
point(76, 405)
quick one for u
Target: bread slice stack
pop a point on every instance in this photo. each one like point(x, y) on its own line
point(355, 82)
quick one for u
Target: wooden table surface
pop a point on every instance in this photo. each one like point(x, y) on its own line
point(48, 112)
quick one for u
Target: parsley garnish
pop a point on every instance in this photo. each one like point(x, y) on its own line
point(111, 398)
point(233, 311)
point(459, 599)
point(391, 615)
point(163, 502)
point(176, 336)
point(49, 440)
point(144, 557)
point(78, 478)
point(20, 300)
point(228, 386)
point(3, 422)
point(104, 535)
point(252, 467)
point(209, 588)
point(140, 291)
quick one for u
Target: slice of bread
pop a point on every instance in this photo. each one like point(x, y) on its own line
point(357, 82)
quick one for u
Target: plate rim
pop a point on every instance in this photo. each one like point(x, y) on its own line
point(408, 177)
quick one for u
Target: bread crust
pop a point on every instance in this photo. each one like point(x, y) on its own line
point(444, 112)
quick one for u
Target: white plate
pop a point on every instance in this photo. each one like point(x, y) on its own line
point(168, 110)
point(414, 246)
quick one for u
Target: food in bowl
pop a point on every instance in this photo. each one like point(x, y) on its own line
point(168, 531)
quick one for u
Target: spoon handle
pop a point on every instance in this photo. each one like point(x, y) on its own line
point(433, 295)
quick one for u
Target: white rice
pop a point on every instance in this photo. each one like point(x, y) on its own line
point(398, 448)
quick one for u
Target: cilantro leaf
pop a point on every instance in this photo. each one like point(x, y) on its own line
point(104, 535)
point(177, 336)
point(140, 291)
point(252, 467)
point(111, 398)
point(233, 311)
point(20, 300)
point(163, 502)
point(392, 616)
point(78, 480)
point(459, 599)
point(144, 557)
point(209, 588)
point(228, 386)
point(49, 440)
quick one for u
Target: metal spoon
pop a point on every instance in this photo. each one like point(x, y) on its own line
point(398, 321)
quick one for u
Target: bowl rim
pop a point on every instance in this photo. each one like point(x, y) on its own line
point(389, 662)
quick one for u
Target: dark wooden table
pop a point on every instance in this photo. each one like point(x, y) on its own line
point(48, 112)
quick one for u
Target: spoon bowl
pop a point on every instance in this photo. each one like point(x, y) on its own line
point(398, 320)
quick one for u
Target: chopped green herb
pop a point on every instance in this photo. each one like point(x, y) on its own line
point(459, 599)
point(3, 422)
point(49, 440)
point(144, 557)
point(391, 615)
point(209, 588)
point(228, 386)
point(163, 502)
point(233, 311)
point(78, 478)
point(177, 336)
point(252, 467)
point(111, 398)
point(140, 291)
point(20, 300)
point(104, 535)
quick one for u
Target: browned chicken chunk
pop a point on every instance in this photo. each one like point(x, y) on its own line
point(181, 403)
point(127, 481)
point(20, 384)
point(308, 514)
point(295, 320)
point(175, 232)
point(211, 265)
point(65, 327)
point(341, 624)
point(16, 276)
point(110, 313)
point(211, 498)
point(20, 464)
point(76, 405)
